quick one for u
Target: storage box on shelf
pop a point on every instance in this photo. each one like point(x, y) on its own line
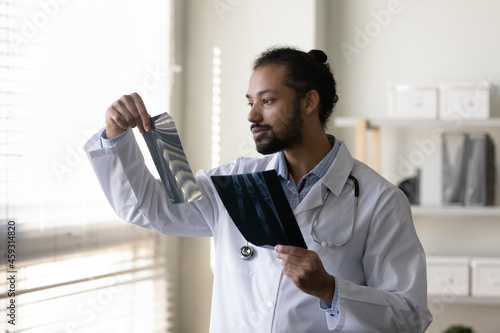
point(464, 280)
point(485, 277)
point(447, 100)
point(406, 100)
point(447, 275)
point(471, 98)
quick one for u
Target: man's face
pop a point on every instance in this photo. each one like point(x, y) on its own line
point(275, 111)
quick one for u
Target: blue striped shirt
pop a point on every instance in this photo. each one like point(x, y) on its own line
point(295, 193)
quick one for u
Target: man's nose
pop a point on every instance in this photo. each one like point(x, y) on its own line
point(255, 114)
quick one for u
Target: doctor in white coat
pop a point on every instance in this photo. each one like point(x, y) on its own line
point(364, 269)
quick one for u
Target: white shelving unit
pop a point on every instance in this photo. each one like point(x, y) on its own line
point(372, 126)
point(365, 127)
point(464, 300)
point(368, 130)
point(385, 122)
point(486, 211)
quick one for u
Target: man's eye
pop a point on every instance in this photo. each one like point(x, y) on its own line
point(266, 101)
point(250, 104)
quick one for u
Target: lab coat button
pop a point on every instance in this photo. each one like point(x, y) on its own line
point(269, 304)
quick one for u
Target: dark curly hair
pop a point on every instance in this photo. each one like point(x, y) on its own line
point(304, 72)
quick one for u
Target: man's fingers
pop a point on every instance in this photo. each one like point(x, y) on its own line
point(143, 116)
point(295, 272)
point(284, 251)
point(115, 114)
point(305, 269)
point(131, 112)
point(299, 264)
point(288, 249)
point(297, 261)
point(127, 112)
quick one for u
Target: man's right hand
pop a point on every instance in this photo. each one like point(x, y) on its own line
point(128, 111)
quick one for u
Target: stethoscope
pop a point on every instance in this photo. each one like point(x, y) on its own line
point(247, 252)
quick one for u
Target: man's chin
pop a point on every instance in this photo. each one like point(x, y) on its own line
point(265, 152)
point(267, 149)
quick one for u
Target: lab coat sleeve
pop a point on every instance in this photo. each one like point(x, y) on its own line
point(139, 198)
point(395, 296)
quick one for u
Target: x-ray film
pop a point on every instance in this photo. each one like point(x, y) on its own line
point(166, 149)
point(259, 208)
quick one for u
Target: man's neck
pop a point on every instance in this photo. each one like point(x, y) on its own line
point(302, 159)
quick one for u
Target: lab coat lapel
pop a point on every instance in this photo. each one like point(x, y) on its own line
point(272, 162)
point(334, 180)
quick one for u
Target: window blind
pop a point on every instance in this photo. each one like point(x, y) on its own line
point(77, 267)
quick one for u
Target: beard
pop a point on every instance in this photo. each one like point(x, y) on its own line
point(291, 134)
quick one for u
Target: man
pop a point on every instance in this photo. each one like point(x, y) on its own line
point(364, 269)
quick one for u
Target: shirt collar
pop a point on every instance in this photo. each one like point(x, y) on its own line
point(319, 170)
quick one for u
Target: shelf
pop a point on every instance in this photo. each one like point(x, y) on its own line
point(364, 126)
point(463, 300)
point(488, 211)
point(427, 123)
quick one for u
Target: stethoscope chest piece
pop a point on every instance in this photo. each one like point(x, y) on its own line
point(247, 252)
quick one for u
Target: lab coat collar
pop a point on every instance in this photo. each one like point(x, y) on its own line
point(273, 161)
point(339, 171)
point(334, 180)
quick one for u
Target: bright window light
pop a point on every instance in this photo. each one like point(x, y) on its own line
point(216, 110)
point(62, 64)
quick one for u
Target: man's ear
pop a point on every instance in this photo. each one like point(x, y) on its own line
point(311, 102)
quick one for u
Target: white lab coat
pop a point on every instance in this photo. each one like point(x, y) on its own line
point(380, 273)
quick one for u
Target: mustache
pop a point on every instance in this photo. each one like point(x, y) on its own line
point(255, 125)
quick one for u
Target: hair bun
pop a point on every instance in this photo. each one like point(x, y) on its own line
point(318, 55)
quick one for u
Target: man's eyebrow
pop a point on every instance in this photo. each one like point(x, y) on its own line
point(262, 92)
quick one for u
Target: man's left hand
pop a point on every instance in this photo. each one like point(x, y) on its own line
point(305, 269)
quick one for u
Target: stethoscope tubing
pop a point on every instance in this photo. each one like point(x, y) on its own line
point(247, 252)
point(316, 215)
